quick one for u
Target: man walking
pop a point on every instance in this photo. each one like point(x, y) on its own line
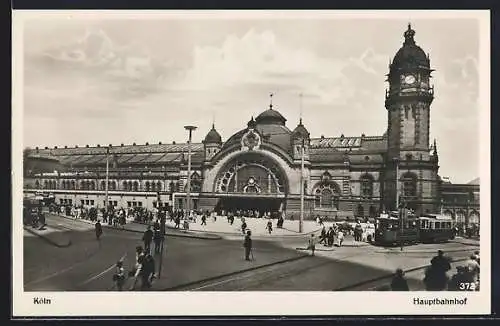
point(312, 244)
point(248, 245)
point(147, 238)
point(98, 231)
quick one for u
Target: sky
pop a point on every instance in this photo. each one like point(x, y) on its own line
point(112, 81)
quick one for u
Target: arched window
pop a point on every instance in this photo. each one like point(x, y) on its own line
point(129, 186)
point(326, 198)
point(158, 186)
point(73, 185)
point(92, 185)
point(103, 185)
point(136, 186)
point(171, 186)
point(366, 186)
point(37, 184)
point(112, 185)
point(409, 185)
point(46, 184)
point(195, 186)
point(125, 185)
point(83, 185)
point(147, 185)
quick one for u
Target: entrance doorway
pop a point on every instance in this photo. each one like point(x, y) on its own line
point(248, 205)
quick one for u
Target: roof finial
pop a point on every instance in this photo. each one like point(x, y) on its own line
point(271, 100)
point(435, 147)
point(213, 120)
point(409, 33)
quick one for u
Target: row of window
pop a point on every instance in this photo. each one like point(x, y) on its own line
point(113, 185)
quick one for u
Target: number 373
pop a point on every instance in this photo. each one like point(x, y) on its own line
point(467, 286)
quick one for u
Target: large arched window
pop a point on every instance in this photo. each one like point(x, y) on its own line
point(103, 185)
point(409, 185)
point(92, 185)
point(327, 195)
point(112, 185)
point(147, 185)
point(125, 185)
point(136, 186)
point(37, 184)
point(46, 185)
point(158, 186)
point(366, 186)
point(73, 185)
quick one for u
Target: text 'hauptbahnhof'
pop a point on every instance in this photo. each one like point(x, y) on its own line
point(259, 167)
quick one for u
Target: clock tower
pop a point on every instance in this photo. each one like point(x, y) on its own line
point(408, 101)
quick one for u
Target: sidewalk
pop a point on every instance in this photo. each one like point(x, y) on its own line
point(256, 225)
point(54, 236)
point(140, 228)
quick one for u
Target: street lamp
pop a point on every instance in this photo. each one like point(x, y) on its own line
point(107, 178)
point(190, 129)
point(400, 211)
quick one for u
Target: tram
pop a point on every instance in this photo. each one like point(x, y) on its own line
point(427, 228)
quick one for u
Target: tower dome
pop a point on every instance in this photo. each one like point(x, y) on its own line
point(270, 116)
point(213, 137)
point(300, 131)
point(410, 55)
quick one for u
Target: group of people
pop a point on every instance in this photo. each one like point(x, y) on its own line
point(436, 278)
point(144, 268)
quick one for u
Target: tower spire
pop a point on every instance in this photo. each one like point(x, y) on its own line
point(409, 34)
point(271, 100)
point(213, 120)
point(435, 147)
point(300, 107)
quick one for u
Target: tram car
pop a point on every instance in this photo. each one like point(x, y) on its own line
point(32, 208)
point(436, 228)
point(427, 228)
point(389, 233)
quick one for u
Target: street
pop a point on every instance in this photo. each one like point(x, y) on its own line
point(211, 265)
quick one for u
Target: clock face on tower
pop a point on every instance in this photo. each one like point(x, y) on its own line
point(409, 79)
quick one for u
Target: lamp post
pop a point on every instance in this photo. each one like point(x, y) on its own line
point(400, 211)
point(301, 220)
point(107, 179)
point(188, 203)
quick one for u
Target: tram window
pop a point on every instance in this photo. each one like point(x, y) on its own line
point(431, 225)
point(438, 225)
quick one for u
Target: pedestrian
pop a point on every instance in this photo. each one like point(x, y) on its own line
point(269, 226)
point(139, 260)
point(98, 231)
point(473, 268)
point(203, 219)
point(147, 272)
point(331, 236)
point(177, 222)
point(312, 244)
point(157, 237)
point(323, 237)
point(147, 238)
point(247, 244)
point(399, 282)
point(340, 238)
point(243, 226)
point(119, 276)
point(461, 280)
point(435, 276)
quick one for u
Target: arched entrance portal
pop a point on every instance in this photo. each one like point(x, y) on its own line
point(251, 184)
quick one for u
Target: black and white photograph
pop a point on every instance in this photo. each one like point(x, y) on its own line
point(266, 162)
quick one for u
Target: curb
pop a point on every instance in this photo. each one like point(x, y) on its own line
point(346, 288)
point(213, 278)
point(214, 237)
point(420, 251)
point(48, 240)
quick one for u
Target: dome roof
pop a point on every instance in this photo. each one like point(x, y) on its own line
point(213, 136)
point(300, 131)
point(410, 55)
point(270, 116)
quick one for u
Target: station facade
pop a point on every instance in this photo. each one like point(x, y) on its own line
point(261, 166)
